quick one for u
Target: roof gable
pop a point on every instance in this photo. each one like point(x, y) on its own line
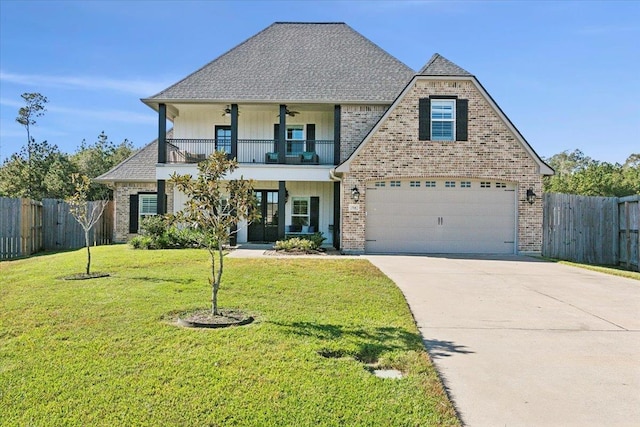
point(438, 65)
point(543, 168)
point(313, 62)
point(140, 166)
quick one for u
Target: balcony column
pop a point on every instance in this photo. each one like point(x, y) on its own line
point(234, 131)
point(282, 134)
point(336, 134)
point(161, 203)
point(162, 133)
point(282, 198)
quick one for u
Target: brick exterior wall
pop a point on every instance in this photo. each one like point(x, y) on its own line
point(121, 195)
point(355, 122)
point(491, 152)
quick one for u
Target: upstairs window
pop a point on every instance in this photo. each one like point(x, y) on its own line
point(295, 139)
point(443, 120)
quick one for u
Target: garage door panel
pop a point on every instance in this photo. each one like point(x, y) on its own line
point(441, 219)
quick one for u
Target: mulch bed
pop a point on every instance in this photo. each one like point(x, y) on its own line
point(293, 253)
point(204, 319)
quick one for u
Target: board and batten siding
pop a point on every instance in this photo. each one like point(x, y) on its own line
point(323, 190)
point(196, 122)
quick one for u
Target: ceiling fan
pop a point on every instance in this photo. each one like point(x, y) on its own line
point(227, 111)
point(289, 113)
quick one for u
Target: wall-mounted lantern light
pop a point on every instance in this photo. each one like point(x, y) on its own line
point(355, 194)
point(531, 196)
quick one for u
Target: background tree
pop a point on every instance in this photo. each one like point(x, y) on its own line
point(45, 172)
point(86, 212)
point(39, 170)
point(35, 107)
point(214, 207)
point(95, 159)
point(579, 174)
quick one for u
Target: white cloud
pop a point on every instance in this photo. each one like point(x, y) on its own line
point(120, 116)
point(136, 87)
point(11, 103)
point(106, 115)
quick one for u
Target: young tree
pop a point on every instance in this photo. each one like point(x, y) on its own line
point(215, 206)
point(84, 211)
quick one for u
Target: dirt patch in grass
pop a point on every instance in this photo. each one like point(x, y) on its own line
point(205, 319)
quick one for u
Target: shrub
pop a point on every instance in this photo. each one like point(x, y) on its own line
point(294, 244)
point(317, 239)
point(141, 242)
point(158, 232)
point(154, 225)
point(308, 243)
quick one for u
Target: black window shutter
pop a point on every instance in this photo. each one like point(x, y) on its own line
point(315, 213)
point(133, 213)
point(462, 118)
point(424, 119)
point(276, 135)
point(311, 137)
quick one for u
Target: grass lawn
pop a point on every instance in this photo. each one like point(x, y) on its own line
point(608, 269)
point(104, 352)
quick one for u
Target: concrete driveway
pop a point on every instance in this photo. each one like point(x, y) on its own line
point(522, 342)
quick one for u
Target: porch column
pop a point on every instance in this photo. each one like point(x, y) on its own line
point(234, 131)
point(162, 133)
point(336, 215)
point(282, 134)
point(282, 194)
point(336, 134)
point(161, 201)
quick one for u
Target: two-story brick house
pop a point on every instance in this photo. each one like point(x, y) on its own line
point(342, 138)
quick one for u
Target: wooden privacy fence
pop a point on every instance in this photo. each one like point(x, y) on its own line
point(27, 227)
point(593, 230)
point(20, 227)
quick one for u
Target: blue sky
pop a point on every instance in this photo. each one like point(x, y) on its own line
point(566, 73)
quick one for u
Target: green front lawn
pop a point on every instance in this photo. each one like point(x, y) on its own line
point(607, 269)
point(105, 352)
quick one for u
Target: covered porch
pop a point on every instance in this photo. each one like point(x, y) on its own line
point(289, 208)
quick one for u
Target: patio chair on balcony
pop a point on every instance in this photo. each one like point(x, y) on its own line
point(271, 157)
point(309, 158)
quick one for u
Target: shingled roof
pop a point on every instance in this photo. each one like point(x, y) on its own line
point(299, 62)
point(139, 167)
point(438, 65)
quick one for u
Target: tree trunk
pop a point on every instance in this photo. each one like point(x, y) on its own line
point(219, 276)
point(214, 285)
point(86, 239)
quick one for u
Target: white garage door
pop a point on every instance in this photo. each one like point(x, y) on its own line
point(440, 216)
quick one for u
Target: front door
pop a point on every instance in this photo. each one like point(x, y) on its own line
point(266, 228)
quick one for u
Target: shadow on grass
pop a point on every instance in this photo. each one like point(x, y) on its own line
point(181, 280)
point(438, 349)
point(364, 344)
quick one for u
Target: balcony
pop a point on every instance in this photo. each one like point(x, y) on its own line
point(254, 151)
